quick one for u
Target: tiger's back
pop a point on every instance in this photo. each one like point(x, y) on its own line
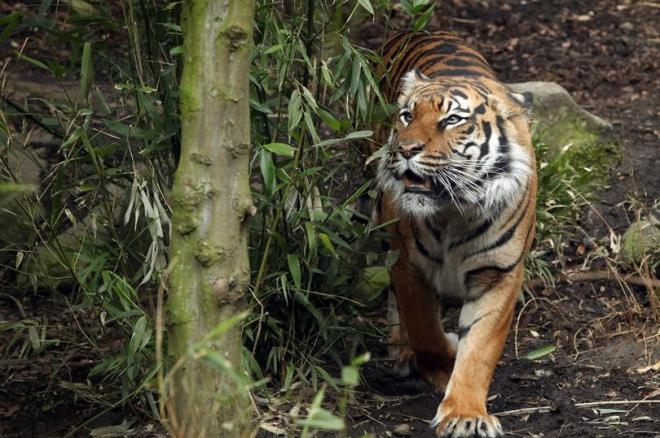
point(458, 173)
point(434, 55)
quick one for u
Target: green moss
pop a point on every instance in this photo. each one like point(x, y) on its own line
point(641, 242)
point(573, 163)
point(185, 206)
point(235, 36)
point(208, 254)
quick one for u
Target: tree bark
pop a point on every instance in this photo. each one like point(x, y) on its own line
point(211, 201)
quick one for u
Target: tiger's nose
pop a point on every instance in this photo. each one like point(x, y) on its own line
point(410, 148)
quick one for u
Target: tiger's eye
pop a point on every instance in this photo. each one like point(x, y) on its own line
point(452, 120)
point(405, 116)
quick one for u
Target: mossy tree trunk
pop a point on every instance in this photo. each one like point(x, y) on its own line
point(211, 201)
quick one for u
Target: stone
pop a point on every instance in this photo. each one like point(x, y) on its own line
point(559, 121)
point(641, 241)
point(402, 429)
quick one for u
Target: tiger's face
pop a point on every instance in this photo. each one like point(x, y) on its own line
point(455, 144)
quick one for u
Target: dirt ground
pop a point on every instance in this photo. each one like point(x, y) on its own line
point(598, 382)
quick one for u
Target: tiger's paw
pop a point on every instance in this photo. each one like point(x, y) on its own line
point(399, 352)
point(453, 425)
point(402, 363)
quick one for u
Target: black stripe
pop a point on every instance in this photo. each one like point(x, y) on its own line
point(470, 73)
point(501, 165)
point(396, 39)
point(481, 229)
point(482, 90)
point(520, 207)
point(462, 62)
point(504, 140)
point(500, 269)
point(475, 56)
point(459, 94)
point(417, 53)
point(499, 122)
point(504, 238)
point(463, 330)
point(437, 233)
point(488, 131)
point(438, 54)
point(420, 246)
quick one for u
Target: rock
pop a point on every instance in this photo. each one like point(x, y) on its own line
point(54, 263)
point(20, 179)
point(550, 97)
point(558, 121)
point(402, 429)
point(575, 149)
point(641, 241)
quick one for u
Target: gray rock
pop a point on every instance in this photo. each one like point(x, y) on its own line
point(642, 240)
point(550, 98)
point(559, 121)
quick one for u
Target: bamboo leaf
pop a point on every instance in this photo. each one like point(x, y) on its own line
point(267, 171)
point(366, 4)
point(323, 419)
point(139, 337)
point(540, 352)
point(320, 418)
point(294, 268)
point(295, 110)
point(350, 376)
point(358, 134)
point(9, 22)
point(217, 361)
point(327, 243)
point(86, 73)
point(280, 149)
point(225, 325)
point(312, 243)
point(34, 62)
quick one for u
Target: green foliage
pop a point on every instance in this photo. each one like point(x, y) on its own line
point(320, 418)
point(312, 102)
point(99, 221)
point(567, 179)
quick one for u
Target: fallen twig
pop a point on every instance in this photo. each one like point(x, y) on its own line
point(595, 276)
point(522, 411)
point(616, 402)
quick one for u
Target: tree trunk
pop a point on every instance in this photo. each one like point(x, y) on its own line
point(211, 201)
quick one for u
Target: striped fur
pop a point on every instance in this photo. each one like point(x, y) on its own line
point(458, 173)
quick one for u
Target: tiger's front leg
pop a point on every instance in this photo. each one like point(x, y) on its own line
point(483, 326)
point(431, 349)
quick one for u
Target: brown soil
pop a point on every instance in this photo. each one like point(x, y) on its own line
point(606, 54)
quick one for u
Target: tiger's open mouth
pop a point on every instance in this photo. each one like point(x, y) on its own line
point(415, 183)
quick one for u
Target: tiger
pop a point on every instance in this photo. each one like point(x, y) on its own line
point(457, 183)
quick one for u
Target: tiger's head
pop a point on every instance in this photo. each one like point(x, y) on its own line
point(462, 143)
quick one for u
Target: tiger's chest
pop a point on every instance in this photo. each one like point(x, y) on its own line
point(444, 252)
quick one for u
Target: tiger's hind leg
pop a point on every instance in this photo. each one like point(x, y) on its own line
point(483, 325)
point(432, 350)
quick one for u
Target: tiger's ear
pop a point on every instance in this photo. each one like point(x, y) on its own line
point(524, 99)
point(411, 79)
